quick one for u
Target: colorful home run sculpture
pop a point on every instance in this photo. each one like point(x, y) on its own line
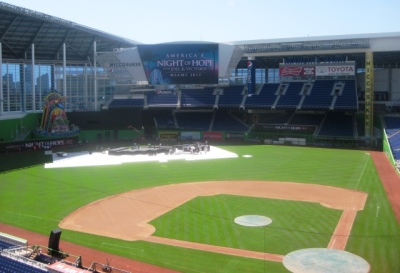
point(54, 120)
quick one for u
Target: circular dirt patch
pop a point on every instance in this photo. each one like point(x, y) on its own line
point(253, 220)
point(317, 260)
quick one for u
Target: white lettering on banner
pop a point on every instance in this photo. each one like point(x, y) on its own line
point(170, 63)
point(194, 63)
point(297, 71)
point(121, 64)
point(178, 74)
point(202, 62)
point(308, 70)
point(184, 55)
point(196, 68)
point(340, 69)
point(335, 70)
point(249, 67)
point(161, 92)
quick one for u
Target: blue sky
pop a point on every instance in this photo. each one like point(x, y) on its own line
point(158, 21)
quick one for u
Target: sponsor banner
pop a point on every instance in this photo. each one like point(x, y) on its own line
point(123, 65)
point(297, 71)
point(164, 92)
point(39, 144)
point(251, 77)
point(212, 135)
point(190, 135)
point(59, 267)
point(234, 136)
point(335, 70)
point(168, 136)
point(180, 63)
point(278, 127)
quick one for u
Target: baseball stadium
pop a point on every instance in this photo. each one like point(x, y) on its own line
point(277, 155)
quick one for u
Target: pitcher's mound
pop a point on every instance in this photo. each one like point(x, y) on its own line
point(317, 260)
point(253, 220)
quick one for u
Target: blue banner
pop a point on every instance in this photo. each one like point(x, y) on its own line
point(180, 63)
point(251, 78)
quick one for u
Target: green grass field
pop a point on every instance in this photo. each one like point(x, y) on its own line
point(208, 220)
point(37, 199)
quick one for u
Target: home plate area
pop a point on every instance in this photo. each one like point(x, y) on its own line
point(138, 154)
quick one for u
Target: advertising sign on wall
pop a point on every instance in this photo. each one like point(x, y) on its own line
point(212, 135)
point(168, 136)
point(180, 63)
point(123, 65)
point(251, 77)
point(190, 135)
point(45, 144)
point(296, 71)
point(335, 70)
point(278, 127)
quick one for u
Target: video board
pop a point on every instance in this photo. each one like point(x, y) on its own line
point(180, 63)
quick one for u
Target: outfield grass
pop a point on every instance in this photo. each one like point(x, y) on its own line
point(37, 199)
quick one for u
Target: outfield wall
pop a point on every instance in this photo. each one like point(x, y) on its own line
point(18, 127)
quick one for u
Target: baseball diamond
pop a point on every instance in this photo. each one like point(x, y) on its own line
point(128, 215)
point(254, 156)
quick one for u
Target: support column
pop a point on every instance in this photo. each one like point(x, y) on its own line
point(85, 88)
point(369, 96)
point(33, 80)
point(40, 88)
point(64, 71)
point(23, 72)
point(8, 89)
point(95, 74)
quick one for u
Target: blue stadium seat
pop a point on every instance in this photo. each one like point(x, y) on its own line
point(8, 265)
point(225, 122)
point(337, 124)
point(125, 103)
point(165, 98)
point(320, 96)
point(291, 99)
point(232, 97)
point(203, 98)
point(348, 99)
point(5, 245)
point(265, 98)
point(194, 120)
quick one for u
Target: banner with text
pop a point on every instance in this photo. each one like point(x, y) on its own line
point(212, 135)
point(335, 70)
point(279, 127)
point(43, 144)
point(190, 136)
point(285, 71)
point(180, 63)
point(123, 65)
point(168, 136)
point(251, 77)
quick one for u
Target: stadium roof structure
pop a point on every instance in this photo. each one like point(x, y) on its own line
point(271, 52)
point(21, 27)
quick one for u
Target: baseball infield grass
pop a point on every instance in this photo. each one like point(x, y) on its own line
point(37, 199)
point(209, 220)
